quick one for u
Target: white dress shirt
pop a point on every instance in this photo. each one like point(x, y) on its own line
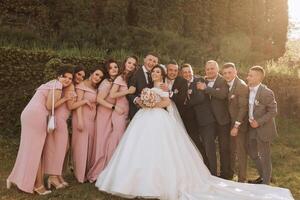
point(252, 95)
point(230, 84)
point(211, 82)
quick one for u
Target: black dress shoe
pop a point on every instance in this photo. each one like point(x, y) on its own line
point(259, 180)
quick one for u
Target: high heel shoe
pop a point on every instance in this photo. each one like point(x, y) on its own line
point(57, 186)
point(62, 181)
point(66, 184)
point(37, 190)
point(8, 184)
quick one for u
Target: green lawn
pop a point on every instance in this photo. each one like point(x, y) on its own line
point(286, 168)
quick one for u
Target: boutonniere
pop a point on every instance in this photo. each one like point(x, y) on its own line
point(256, 102)
point(232, 96)
point(190, 91)
point(175, 91)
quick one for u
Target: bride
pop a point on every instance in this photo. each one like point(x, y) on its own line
point(156, 159)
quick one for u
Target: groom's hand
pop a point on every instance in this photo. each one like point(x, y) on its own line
point(234, 131)
point(254, 123)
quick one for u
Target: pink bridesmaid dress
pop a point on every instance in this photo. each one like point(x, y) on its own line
point(104, 128)
point(56, 143)
point(33, 136)
point(82, 141)
point(119, 121)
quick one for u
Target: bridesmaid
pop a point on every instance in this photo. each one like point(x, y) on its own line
point(118, 92)
point(27, 173)
point(56, 143)
point(107, 118)
point(84, 125)
point(103, 120)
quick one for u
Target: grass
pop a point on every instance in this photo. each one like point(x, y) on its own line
point(286, 168)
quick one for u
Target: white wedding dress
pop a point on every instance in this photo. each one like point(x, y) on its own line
point(156, 159)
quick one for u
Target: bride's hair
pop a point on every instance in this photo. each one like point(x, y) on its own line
point(163, 71)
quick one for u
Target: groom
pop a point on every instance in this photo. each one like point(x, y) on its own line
point(140, 80)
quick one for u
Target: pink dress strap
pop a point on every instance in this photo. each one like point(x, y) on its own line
point(82, 86)
point(105, 86)
point(120, 81)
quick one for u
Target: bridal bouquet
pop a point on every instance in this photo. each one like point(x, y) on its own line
point(148, 98)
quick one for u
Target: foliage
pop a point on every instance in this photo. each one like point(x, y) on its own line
point(188, 30)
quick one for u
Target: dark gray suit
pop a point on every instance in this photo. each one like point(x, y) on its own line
point(219, 104)
point(200, 103)
point(238, 98)
point(264, 111)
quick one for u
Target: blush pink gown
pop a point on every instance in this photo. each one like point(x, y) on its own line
point(56, 144)
point(104, 128)
point(82, 142)
point(33, 136)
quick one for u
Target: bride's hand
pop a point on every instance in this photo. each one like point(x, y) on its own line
point(164, 87)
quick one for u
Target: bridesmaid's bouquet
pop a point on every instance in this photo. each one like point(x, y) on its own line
point(148, 98)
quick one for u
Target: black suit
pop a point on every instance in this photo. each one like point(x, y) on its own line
point(200, 102)
point(179, 93)
point(138, 80)
point(219, 104)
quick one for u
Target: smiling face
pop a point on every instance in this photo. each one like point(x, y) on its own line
point(187, 73)
point(156, 75)
point(211, 70)
point(113, 70)
point(150, 61)
point(67, 79)
point(96, 76)
point(79, 77)
point(172, 71)
point(130, 64)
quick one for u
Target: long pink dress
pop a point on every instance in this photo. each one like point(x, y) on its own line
point(82, 142)
point(33, 136)
point(56, 143)
point(104, 129)
point(119, 121)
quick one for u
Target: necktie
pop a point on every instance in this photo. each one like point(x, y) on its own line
point(149, 77)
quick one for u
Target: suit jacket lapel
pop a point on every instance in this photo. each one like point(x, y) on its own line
point(257, 96)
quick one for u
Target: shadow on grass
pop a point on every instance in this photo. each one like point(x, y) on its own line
point(285, 154)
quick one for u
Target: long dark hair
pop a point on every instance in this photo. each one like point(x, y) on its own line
point(124, 74)
point(76, 69)
point(106, 67)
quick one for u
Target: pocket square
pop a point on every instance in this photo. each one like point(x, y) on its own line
point(175, 91)
point(232, 96)
point(217, 88)
point(256, 102)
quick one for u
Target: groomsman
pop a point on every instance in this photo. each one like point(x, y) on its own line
point(262, 130)
point(176, 86)
point(238, 109)
point(190, 119)
point(217, 89)
point(140, 80)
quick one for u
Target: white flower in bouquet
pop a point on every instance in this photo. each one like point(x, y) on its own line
point(148, 98)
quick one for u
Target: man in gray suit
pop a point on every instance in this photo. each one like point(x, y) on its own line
point(238, 109)
point(262, 130)
point(217, 89)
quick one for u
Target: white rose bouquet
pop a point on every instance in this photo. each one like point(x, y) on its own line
point(148, 98)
